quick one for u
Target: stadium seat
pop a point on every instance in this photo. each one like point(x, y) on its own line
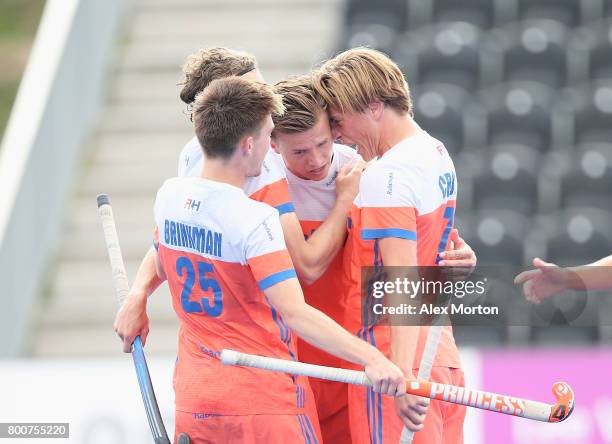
point(591, 107)
point(569, 12)
point(441, 53)
point(519, 114)
point(509, 181)
point(593, 46)
point(374, 34)
point(533, 50)
point(496, 236)
point(480, 13)
point(393, 13)
point(374, 24)
point(589, 180)
point(442, 110)
point(577, 236)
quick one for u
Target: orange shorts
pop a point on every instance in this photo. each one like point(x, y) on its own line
point(373, 418)
point(245, 429)
point(332, 407)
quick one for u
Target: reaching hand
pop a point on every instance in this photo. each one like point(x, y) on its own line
point(545, 281)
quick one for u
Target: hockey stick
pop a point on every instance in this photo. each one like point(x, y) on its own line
point(427, 360)
point(105, 211)
point(507, 405)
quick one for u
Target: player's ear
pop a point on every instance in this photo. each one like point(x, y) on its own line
point(273, 145)
point(246, 145)
point(376, 109)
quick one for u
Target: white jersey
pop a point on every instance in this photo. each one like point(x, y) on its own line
point(269, 187)
point(409, 193)
point(220, 250)
point(314, 199)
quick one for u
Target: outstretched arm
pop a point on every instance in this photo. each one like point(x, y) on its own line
point(548, 279)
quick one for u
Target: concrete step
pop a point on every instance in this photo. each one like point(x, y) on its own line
point(84, 303)
point(136, 179)
point(272, 21)
point(169, 54)
point(88, 244)
point(101, 340)
point(158, 116)
point(130, 211)
point(143, 5)
point(112, 149)
point(136, 87)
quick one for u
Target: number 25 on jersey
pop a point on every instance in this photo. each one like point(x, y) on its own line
point(205, 273)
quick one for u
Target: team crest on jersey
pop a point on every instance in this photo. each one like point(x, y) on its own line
point(192, 205)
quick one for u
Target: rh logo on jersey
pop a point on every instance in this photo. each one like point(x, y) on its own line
point(446, 182)
point(191, 204)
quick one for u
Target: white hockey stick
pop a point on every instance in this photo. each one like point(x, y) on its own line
point(427, 360)
point(493, 402)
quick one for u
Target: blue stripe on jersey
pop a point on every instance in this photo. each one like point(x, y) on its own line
point(276, 278)
point(303, 427)
point(380, 417)
point(379, 233)
point(312, 433)
point(285, 334)
point(285, 208)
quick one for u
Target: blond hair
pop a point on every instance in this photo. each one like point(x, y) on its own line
point(229, 109)
point(357, 77)
point(209, 64)
point(303, 106)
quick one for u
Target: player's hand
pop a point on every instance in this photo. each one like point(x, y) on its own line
point(545, 281)
point(347, 182)
point(386, 377)
point(132, 321)
point(412, 409)
point(460, 256)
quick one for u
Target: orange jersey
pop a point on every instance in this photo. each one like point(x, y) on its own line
point(409, 193)
point(313, 200)
point(269, 187)
point(217, 265)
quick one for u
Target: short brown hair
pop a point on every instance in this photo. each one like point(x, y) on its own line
point(303, 105)
point(209, 64)
point(229, 109)
point(357, 77)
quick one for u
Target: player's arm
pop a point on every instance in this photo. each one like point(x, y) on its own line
point(548, 279)
point(321, 331)
point(312, 257)
point(398, 252)
point(131, 319)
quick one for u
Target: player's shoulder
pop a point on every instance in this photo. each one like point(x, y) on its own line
point(273, 165)
point(272, 170)
point(346, 154)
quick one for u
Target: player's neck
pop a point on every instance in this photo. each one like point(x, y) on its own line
point(395, 128)
point(220, 170)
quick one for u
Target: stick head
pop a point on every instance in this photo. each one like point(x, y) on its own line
point(565, 402)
